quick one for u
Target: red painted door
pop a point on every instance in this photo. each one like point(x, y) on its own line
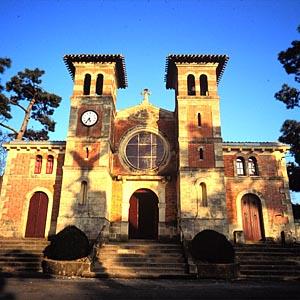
point(252, 218)
point(133, 217)
point(37, 215)
point(143, 215)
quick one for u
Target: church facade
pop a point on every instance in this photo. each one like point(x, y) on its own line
point(146, 172)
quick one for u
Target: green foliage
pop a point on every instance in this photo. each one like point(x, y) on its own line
point(25, 92)
point(291, 135)
point(290, 96)
point(294, 176)
point(69, 244)
point(4, 102)
point(212, 247)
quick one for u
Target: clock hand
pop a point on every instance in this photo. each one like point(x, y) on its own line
point(89, 119)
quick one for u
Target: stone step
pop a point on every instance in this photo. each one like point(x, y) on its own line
point(257, 262)
point(269, 277)
point(269, 267)
point(140, 260)
point(20, 259)
point(148, 265)
point(140, 275)
point(263, 254)
point(280, 272)
point(143, 259)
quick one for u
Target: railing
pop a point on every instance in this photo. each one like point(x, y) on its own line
point(99, 241)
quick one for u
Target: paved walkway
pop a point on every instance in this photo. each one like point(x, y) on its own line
point(108, 289)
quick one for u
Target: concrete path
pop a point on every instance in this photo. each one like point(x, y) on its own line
point(109, 289)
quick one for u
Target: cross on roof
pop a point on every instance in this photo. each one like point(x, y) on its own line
point(146, 93)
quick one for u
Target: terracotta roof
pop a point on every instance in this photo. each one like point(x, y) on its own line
point(69, 59)
point(192, 58)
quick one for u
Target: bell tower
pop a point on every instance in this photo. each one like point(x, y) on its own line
point(87, 180)
point(202, 198)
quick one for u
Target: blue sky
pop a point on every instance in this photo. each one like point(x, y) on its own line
point(251, 33)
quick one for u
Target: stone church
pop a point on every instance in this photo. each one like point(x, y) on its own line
point(146, 172)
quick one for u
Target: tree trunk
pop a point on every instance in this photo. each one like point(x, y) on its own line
point(25, 121)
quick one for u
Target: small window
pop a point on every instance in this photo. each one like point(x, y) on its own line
point(240, 166)
point(38, 164)
point(191, 85)
point(99, 84)
point(252, 166)
point(201, 153)
point(203, 194)
point(87, 84)
point(83, 193)
point(199, 119)
point(49, 166)
point(203, 85)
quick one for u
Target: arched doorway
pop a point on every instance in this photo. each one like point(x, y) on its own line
point(37, 215)
point(252, 218)
point(143, 215)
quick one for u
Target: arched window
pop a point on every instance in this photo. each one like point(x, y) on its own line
point(38, 164)
point(201, 153)
point(199, 119)
point(83, 193)
point(191, 85)
point(252, 166)
point(87, 84)
point(203, 194)
point(99, 84)
point(203, 85)
point(240, 166)
point(49, 165)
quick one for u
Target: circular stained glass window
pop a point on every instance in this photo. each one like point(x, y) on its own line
point(145, 150)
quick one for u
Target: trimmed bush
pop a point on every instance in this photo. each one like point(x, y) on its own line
point(210, 246)
point(69, 244)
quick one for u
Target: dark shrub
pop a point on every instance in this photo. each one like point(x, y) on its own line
point(69, 244)
point(212, 247)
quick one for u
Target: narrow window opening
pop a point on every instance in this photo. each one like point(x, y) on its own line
point(87, 84)
point(203, 194)
point(191, 85)
point(199, 119)
point(99, 84)
point(203, 85)
point(252, 166)
point(38, 164)
point(49, 166)
point(201, 153)
point(240, 166)
point(87, 153)
point(83, 193)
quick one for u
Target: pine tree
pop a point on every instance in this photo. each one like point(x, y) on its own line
point(290, 96)
point(25, 92)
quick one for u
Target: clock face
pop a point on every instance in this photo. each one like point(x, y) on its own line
point(89, 118)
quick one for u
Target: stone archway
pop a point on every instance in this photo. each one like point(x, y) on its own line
point(143, 215)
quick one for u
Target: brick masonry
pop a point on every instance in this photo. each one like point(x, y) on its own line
point(96, 155)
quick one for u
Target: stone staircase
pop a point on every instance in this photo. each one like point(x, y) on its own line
point(141, 259)
point(268, 262)
point(21, 256)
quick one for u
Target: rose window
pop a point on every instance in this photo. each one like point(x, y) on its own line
point(145, 150)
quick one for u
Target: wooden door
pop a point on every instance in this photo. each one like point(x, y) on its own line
point(133, 217)
point(252, 218)
point(37, 215)
point(143, 215)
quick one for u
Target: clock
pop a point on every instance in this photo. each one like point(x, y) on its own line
point(89, 118)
